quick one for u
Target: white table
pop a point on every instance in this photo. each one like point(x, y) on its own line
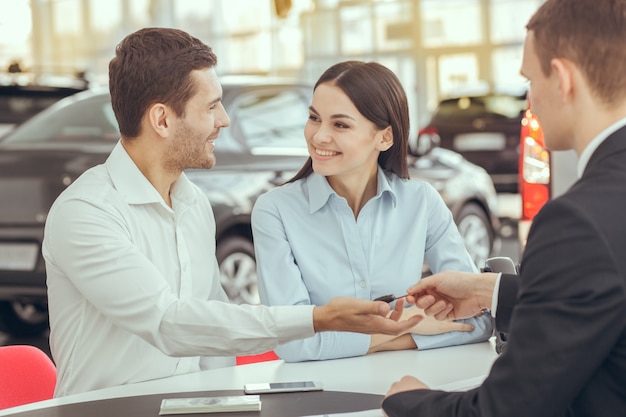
point(445, 368)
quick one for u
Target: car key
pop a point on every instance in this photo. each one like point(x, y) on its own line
point(389, 298)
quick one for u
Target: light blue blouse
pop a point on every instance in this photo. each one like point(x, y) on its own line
point(310, 248)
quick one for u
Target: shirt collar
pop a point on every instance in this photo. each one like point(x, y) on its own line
point(320, 191)
point(135, 187)
point(595, 142)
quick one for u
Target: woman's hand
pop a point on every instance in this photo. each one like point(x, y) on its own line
point(431, 326)
point(426, 327)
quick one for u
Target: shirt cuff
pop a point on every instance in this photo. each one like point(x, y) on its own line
point(294, 322)
point(494, 296)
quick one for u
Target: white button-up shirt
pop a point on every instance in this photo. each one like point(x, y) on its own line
point(134, 288)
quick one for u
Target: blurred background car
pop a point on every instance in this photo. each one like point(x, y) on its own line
point(485, 129)
point(542, 174)
point(263, 147)
point(22, 96)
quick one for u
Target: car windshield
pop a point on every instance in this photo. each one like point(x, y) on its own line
point(90, 120)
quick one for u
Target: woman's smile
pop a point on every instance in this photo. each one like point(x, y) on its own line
point(325, 152)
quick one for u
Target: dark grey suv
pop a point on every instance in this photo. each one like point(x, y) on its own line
point(263, 147)
point(484, 129)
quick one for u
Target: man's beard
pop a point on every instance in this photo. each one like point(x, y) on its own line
point(188, 151)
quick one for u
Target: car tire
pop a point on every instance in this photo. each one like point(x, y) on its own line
point(23, 319)
point(237, 263)
point(476, 231)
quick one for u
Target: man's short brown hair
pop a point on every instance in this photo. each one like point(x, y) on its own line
point(153, 65)
point(589, 33)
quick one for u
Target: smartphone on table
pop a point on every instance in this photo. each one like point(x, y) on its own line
point(272, 387)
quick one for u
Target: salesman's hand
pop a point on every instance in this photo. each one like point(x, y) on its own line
point(451, 295)
point(407, 383)
point(361, 316)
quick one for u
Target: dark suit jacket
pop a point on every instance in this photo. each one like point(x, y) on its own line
point(565, 312)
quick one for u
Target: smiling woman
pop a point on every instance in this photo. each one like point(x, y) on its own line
point(351, 222)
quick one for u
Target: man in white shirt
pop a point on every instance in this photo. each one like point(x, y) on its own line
point(133, 283)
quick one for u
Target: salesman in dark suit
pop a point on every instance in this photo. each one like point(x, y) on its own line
point(566, 311)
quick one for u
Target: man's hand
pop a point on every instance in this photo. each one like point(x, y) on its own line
point(407, 383)
point(349, 314)
point(453, 295)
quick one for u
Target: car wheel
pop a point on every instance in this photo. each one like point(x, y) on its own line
point(23, 319)
point(235, 255)
point(476, 231)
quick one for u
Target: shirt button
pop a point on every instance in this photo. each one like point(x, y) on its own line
point(362, 284)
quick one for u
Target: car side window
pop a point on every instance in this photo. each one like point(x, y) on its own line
point(16, 109)
point(272, 121)
point(19, 103)
point(90, 121)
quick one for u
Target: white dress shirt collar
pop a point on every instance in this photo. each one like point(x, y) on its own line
point(593, 145)
point(135, 187)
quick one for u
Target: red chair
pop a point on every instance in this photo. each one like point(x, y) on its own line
point(27, 375)
point(263, 357)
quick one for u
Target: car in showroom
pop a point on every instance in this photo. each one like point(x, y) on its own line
point(22, 96)
point(262, 148)
point(485, 129)
point(543, 174)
